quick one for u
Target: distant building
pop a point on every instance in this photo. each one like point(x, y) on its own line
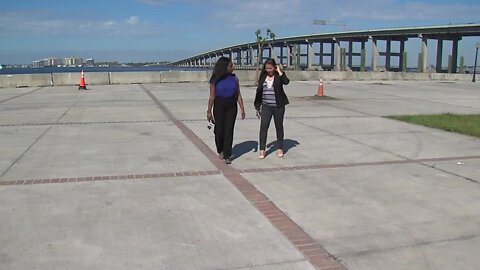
point(72, 61)
point(90, 62)
point(36, 63)
point(46, 62)
point(53, 61)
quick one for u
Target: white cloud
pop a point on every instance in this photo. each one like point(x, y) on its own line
point(133, 20)
point(109, 24)
point(252, 13)
point(31, 23)
point(398, 10)
point(255, 14)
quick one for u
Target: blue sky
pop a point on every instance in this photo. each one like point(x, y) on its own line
point(158, 30)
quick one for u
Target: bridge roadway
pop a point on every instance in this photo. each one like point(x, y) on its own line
point(126, 177)
point(336, 51)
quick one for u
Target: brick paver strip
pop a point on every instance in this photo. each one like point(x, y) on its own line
point(256, 196)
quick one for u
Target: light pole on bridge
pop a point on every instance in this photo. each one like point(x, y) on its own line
point(477, 45)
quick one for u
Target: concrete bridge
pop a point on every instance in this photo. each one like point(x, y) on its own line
point(336, 51)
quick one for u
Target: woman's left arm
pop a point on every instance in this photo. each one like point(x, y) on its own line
point(240, 103)
point(283, 77)
point(240, 100)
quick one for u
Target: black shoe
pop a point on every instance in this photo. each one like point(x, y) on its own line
point(228, 161)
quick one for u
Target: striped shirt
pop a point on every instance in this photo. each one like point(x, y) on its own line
point(268, 97)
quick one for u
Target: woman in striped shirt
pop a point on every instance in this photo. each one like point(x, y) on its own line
point(270, 100)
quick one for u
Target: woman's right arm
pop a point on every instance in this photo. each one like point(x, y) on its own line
point(258, 98)
point(211, 98)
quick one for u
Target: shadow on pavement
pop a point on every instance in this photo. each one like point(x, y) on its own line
point(247, 146)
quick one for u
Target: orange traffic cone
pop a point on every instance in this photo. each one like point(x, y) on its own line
point(82, 84)
point(320, 89)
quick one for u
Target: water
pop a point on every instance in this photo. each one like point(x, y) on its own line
point(95, 69)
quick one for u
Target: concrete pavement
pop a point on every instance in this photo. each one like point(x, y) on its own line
point(126, 177)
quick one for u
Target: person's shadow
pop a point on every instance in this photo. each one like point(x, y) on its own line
point(242, 148)
point(247, 146)
point(287, 145)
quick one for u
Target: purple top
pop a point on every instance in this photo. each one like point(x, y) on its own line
point(227, 87)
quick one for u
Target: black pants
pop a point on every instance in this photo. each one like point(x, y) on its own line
point(225, 113)
point(266, 117)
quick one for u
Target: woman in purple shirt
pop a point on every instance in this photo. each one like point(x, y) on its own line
point(224, 96)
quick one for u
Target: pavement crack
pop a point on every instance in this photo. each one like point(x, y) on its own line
point(415, 245)
point(21, 95)
point(450, 173)
point(24, 152)
point(253, 266)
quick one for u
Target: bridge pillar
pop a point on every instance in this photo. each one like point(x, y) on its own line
point(289, 55)
point(257, 58)
point(338, 56)
point(388, 54)
point(238, 57)
point(450, 59)
point(294, 56)
point(423, 56)
point(343, 62)
point(363, 57)
point(438, 64)
point(332, 54)
point(320, 56)
point(298, 55)
point(350, 54)
point(374, 55)
point(403, 59)
point(454, 55)
point(281, 55)
point(245, 55)
point(273, 54)
point(309, 55)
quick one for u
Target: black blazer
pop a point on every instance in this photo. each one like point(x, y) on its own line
point(280, 96)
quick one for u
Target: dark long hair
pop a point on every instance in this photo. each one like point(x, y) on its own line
point(220, 70)
point(263, 73)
